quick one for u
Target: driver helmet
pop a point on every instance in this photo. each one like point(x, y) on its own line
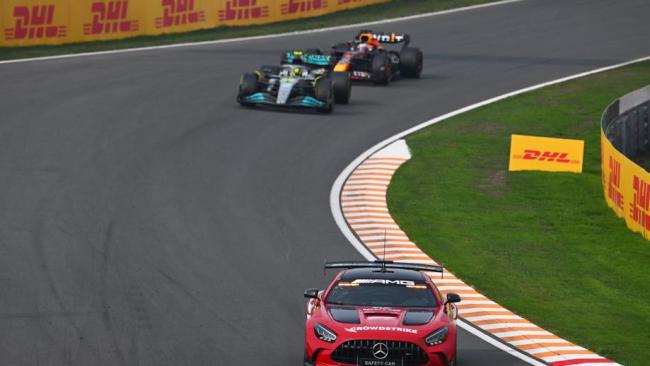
point(296, 71)
point(365, 37)
point(367, 41)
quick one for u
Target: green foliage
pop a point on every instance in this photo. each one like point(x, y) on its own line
point(544, 245)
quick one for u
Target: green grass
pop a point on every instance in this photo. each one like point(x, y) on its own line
point(392, 9)
point(544, 245)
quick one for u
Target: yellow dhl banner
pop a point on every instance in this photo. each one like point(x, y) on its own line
point(38, 22)
point(545, 153)
point(626, 187)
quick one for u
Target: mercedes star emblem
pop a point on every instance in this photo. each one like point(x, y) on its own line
point(380, 351)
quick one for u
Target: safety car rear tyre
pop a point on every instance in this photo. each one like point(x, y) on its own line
point(247, 86)
point(342, 87)
point(410, 64)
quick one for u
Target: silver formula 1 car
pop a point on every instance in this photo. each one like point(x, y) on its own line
point(288, 86)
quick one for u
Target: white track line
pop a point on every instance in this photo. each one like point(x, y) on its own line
point(255, 38)
point(337, 187)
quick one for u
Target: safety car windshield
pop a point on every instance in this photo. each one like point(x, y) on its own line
point(382, 292)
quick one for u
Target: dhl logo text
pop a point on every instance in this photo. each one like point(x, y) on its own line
point(550, 156)
point(243, 9)
point(110, 17)
point(640, 205)
point(179, 12)
point(614, 183)
point(34, 22)
point(300, 6)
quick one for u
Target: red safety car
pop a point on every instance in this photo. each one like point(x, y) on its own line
point(380, 313)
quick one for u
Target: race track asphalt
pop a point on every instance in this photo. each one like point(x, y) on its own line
point(147, 219)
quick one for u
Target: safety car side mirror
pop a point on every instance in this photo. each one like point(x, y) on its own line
point(312, 293)
point(452, 298)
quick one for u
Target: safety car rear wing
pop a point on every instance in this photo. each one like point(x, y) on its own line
point(383, 265)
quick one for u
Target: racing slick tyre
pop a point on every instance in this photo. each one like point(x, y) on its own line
point(380, 68)
point(324, 92)
point(247, 86)
point(410, 65)
point(342, 87)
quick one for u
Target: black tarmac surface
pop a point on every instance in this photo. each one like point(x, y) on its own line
point(147, 219)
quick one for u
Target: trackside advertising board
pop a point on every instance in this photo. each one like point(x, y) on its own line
point(39, 22)
point(626, 187)
point(546, 154)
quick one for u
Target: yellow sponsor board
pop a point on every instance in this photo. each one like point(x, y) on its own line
point(626, 187)
point(545, 153)
point(37, 22)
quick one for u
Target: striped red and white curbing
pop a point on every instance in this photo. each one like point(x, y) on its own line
point(363, 201)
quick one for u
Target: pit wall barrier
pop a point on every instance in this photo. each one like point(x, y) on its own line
point(51, 22)
point(624, 134)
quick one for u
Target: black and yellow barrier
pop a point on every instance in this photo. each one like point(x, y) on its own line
point(625, 133)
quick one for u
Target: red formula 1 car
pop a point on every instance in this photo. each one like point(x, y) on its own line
point(380, 313)
point(366, 58)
